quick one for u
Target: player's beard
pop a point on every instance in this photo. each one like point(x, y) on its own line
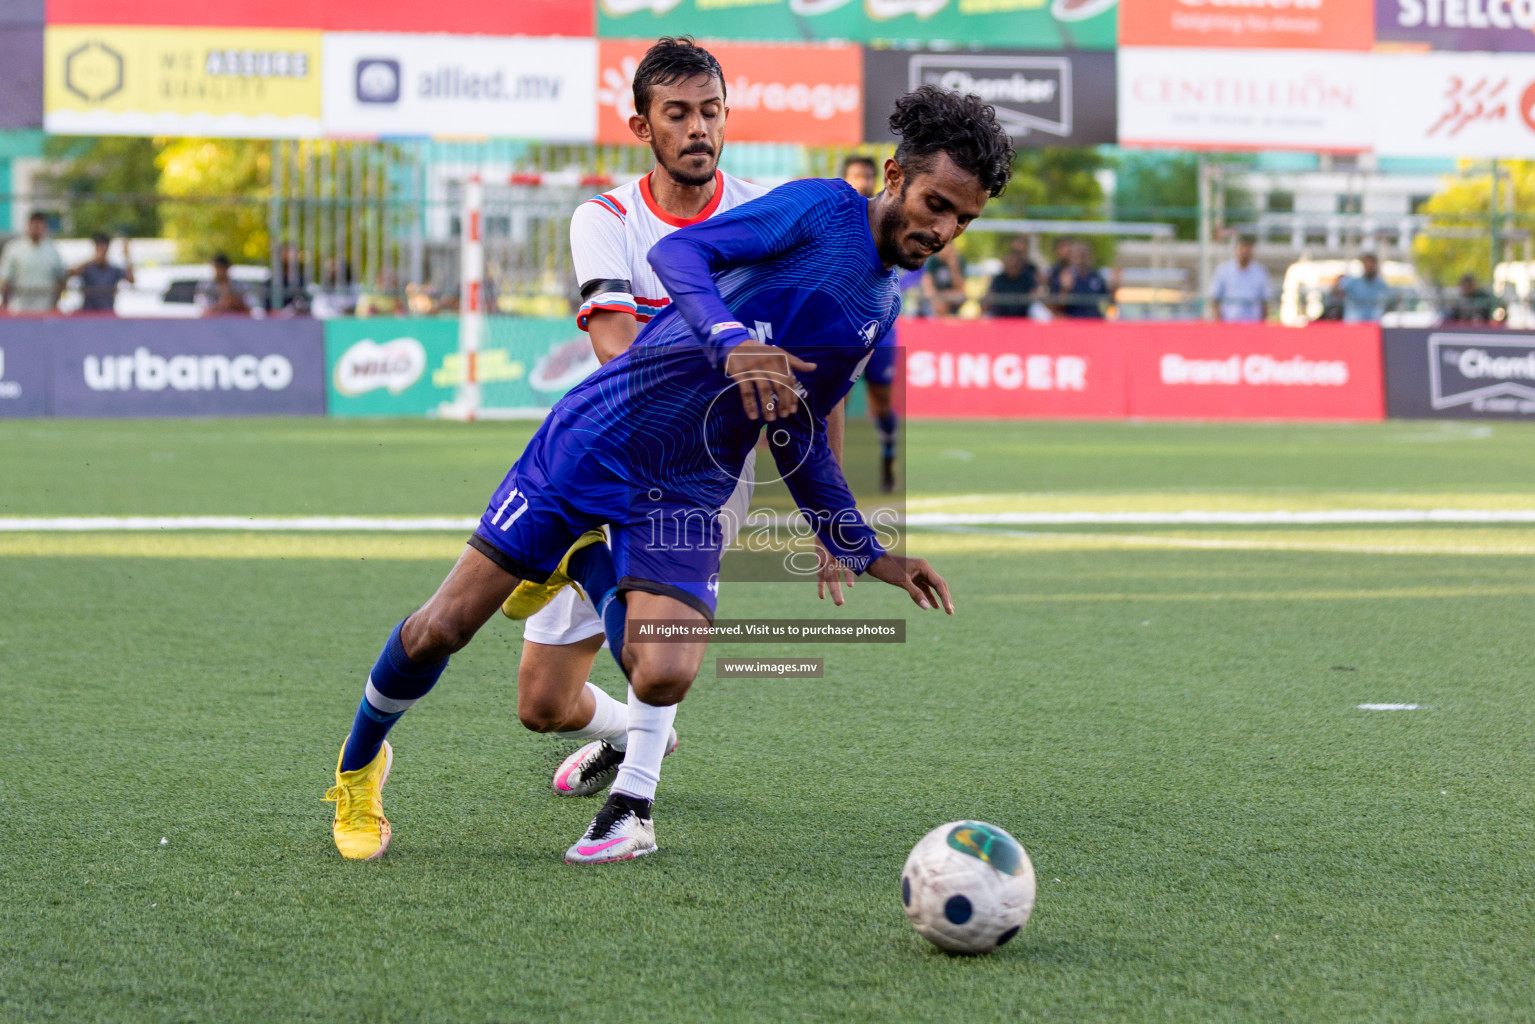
point(891, 226)
point(690, 179)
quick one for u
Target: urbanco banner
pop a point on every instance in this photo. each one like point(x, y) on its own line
point(810, 94)
point(383, 84)
point(1043, 99)
point(221, 83)
point(1247, 99)
point(1254, 24)
point(1460, 373)
point(475, 17)
point(1467, 25)
point(218, 366)
point(1025, 24)
point(1455, 104)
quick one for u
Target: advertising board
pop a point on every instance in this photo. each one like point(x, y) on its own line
point(221, 83)
point(1011, 369)
point(476, 17)
point(396, 84)
point(1252, 99)
point(808, 94)
point(1253, 371)
point(1455, 104)
point(1467, 25)
point(23, 372)
point(21, 76)
point(209, 367)
point(1249, 24)
point(1460, 373)
point(412, 367)
point(1031, 24)
point(1043, 99)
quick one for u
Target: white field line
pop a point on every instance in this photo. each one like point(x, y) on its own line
point(458, 524)
point(1387, 707)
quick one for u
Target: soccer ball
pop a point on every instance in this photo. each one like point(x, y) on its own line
point(968, 887)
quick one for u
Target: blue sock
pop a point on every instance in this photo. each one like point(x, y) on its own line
point(395, 683)
point(886, 424)
point(593, 568)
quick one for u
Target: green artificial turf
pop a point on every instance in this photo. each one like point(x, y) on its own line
point(1219, 833)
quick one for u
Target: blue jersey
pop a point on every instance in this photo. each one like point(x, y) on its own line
point(798, 268)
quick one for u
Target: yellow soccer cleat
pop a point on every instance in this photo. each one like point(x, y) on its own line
point(530, 597)
point(360, 828)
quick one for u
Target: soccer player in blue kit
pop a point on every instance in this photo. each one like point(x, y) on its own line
point(776, 308)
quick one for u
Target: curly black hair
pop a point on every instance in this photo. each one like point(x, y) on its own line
point(929, 120)
point(671, 60)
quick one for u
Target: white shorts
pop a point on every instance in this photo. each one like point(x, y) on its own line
point(571, 618)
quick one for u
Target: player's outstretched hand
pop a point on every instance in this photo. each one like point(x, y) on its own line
point(830, 574)
point(916, 577)
point(765, 375)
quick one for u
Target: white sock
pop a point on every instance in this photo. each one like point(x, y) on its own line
point(610, 721)
point(650, 729)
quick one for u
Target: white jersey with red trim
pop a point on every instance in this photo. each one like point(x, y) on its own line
point(611, 234)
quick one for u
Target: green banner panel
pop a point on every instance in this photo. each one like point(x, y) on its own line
point(406, 367)
point(389, 367)
point(1030, 24)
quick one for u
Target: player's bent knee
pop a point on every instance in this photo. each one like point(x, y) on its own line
point(541, 714)
point(662, 687)
point(434, 634)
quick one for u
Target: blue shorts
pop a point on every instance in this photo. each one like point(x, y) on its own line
point(558, 490)
point(881, 366)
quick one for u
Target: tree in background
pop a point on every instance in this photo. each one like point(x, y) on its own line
point(1466, 202)
point(104, 184)
point(214, 197)
point(1159, 186)
point(1054, 183)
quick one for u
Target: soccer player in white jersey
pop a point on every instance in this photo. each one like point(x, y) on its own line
point(680, 109)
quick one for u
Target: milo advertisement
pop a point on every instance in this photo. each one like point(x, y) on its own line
point(1024, 24)
point(410, 367)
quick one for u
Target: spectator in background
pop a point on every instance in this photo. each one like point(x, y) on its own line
point(99, 279)
point(1473, 305)
point(1366, 298)
point(1240, 290)
point(1014, 290)
point(1063, 249)
point(221, 298)
point(861, 173)
point(943, 283)
point(292, 288)
point(32, 273)
point(1083, 289)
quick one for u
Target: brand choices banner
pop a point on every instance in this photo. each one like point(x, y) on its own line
point(1253, 371)
point(1457, 24)
point(1043, 99)
point(1037, 24)
point(1460, 373)
point(1294, 24)
point(487, 17)
point(383, 84)
point(1015, 368)
point(243, 83)
point(810, 94)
